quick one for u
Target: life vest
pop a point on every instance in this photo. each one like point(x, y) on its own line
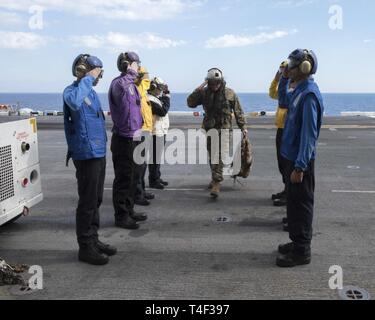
point(291, 141)
point(85, 129)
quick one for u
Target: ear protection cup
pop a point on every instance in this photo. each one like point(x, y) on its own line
point(305, 60)
point(80, 66)
point(123, 62)
point(305, 67)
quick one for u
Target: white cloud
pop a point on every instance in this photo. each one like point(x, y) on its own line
point(368, 41)
point(10, 19)
point(115, 40)
point(110, 9)
point(21, 40)
point(231, 41)
point(291, 3)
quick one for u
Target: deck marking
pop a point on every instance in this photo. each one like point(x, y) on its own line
point(354, 167)
point(167, 189)
point(353, 191)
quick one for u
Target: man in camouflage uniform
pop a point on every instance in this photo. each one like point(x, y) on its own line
point(219, 103)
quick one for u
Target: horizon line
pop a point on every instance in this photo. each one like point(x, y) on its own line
point(188, 92)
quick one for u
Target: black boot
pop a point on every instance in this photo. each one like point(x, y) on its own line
point(105, 248)
point(286, 248)
point(164, 183)
point(142, 202)
point(149, 196)
point(291, 260)
point(279, 195)
point(280, 202)
point(91, 255)
point(156, 185)
point(138, 216)
point(127, 223)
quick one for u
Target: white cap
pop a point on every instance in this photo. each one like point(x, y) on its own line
point(159, 82)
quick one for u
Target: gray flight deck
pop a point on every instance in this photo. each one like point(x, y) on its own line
point(181, 252)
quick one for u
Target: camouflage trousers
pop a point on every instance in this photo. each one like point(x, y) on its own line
point(217, 150)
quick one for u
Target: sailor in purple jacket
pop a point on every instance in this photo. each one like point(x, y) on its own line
point(125, 106)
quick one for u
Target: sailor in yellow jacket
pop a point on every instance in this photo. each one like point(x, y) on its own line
point(279, 199)
point(143, 84)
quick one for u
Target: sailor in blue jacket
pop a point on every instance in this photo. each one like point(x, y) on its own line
point(301, 133)
point(86, 136)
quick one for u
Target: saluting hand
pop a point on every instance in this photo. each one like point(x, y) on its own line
point(286, 72)
point(95, 72)
point(202, 86)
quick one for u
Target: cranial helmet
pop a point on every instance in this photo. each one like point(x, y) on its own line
point(85, 63)
point(305, 60)
point(158, 83)
point(215, 74)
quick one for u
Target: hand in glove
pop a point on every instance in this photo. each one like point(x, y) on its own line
point(166, 90)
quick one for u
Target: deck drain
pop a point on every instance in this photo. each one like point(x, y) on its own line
point(21, 290)
point(354, 293)
point(222, 219)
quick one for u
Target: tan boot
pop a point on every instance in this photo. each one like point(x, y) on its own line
point(210, 185)
point(215, 191)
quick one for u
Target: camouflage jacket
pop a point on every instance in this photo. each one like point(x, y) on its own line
point(218, 116)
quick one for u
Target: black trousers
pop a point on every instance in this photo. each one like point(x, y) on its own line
point(90, 178)
point(158, 144)
point(281, 161)
point(141, 185)
point(300, 208)
point(126, 175)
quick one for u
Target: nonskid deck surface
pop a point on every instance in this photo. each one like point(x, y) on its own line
point(182, 252)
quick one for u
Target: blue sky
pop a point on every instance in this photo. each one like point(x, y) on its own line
point(180, 40)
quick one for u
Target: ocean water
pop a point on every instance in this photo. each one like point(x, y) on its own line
point(251, 102)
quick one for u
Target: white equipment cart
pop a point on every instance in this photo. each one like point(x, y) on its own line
point(20, 182)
